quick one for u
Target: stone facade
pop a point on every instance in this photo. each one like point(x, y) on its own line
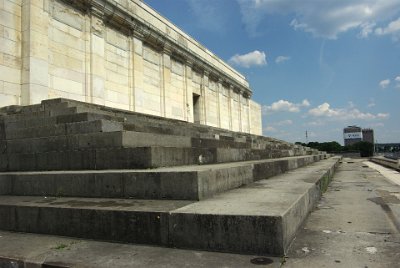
point(121, 54)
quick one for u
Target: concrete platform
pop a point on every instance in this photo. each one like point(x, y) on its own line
point(34, 251)
point(355, 224)
point(347, 229)
point(259, 218)
point(194, 182)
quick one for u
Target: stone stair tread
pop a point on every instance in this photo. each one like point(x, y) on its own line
point(261, 217)
point(268, 197)
point(110, 204)
point(184, 168)
point(192, 182)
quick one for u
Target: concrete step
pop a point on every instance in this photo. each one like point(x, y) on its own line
point(215, 137)
point(149, 123)
point(261, 217)
point(122, 220)
point(106, 158)
point(25, 123)
point(117, 139)
point(62, 129)
point(188, 182)
point(128, 158)
point(24, 250)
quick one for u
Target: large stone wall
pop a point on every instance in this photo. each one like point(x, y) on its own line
point(120, 54)
point(10, 52)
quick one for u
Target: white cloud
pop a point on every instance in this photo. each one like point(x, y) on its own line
point(325, 110)
point(285, 106)
point(397, 79)
point(284, 123)
point(281, 59)
point(392, 28)
point(326, 18)
point(270, 129)
point(382, 115)
point(255, 58)
point(384, 83)
point(366, 29)
point(316, 123)
point(305, 103)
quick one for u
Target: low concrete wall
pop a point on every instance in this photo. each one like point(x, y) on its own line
point(390, 163)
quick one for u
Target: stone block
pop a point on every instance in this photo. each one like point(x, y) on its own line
point(137, 221)
point(11, 75)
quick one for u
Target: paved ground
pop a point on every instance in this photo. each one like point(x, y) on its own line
point(356, 223)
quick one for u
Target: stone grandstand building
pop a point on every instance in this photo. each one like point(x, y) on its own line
point(120, 54)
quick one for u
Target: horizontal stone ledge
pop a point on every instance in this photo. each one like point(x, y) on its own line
point(260, 218)
point(195, 182)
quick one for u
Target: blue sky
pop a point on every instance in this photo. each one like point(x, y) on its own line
point(314, 66)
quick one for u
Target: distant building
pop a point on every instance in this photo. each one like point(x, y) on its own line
point(351, 135)
point(368, 135)
point(354, 134)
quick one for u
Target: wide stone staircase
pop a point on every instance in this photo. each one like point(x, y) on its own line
point(75, 169)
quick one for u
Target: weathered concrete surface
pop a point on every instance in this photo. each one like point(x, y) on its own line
point(386, 162)
point(31, 249)
point(259, 218)
point(193, 182)
point(122, 220)
point(356, 223)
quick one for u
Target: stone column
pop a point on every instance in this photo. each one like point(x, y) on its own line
point(189, 91)
point(35, 67)
point(240, 111)
point(97, 57)
point(247, 111)
point(230, 101)
point(166, 78)
point(131, 87)
point(219, 90)
point(204, 87)
point(137, 70)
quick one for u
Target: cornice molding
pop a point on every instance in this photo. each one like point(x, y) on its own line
point(112, 13)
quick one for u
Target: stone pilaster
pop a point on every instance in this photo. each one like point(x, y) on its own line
point(204, 89)
point(240, 111)
point(219, 92)
point(247, 113)
point(188, 91)
point(35, 67)
point(138, 69)
point(131, 85)
point(166, 78)
point(230, 100)
point(97, 56)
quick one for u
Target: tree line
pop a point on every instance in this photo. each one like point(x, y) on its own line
point(363, 147)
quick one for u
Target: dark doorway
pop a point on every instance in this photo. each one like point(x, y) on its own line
point(196, 108)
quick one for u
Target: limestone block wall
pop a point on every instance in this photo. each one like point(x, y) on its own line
point(66, 66)
point(175, 102)
point(244, 114)
point(148, 98)
point(120, 54)
point(224, 107)
point(117, 70)
point(235, 111)
point(255, 118)
point(212, 109)
point(10, 52)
